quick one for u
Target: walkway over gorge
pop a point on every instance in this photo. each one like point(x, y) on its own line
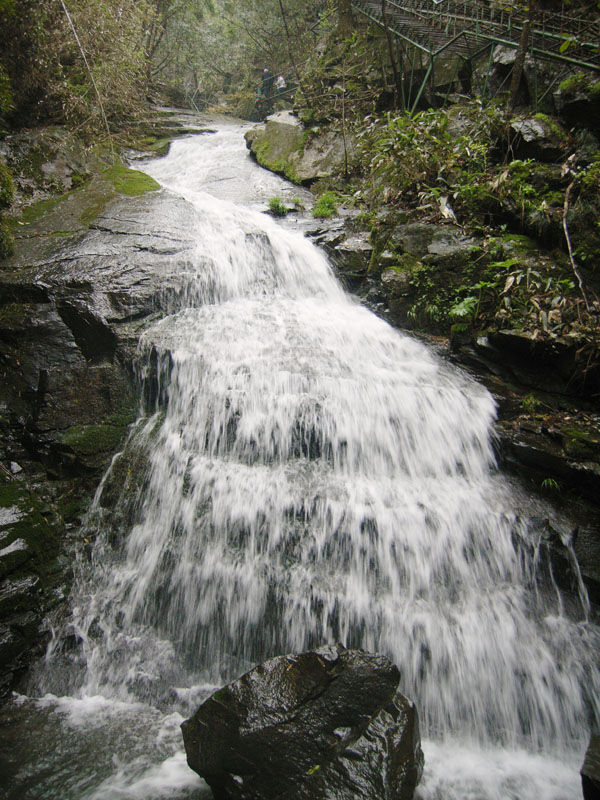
point(431, 29)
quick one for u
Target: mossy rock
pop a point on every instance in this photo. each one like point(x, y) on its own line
point(27, 527)
point(37, 210)
point(89, 440)
point(581, 444)
point(130, 181)
point(513, 245)
point(579, 83)
point(7, 193)
point(273, 153)
point(553, 127)
point(32, 574)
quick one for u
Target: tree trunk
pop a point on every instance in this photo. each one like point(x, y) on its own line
point(390, 43)
point(345, 18)
point(517, 70)
point(290, 47)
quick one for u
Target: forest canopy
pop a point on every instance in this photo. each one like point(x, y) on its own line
point(76, 60)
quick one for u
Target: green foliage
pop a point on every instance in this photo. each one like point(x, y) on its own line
point(465, 308)
point(49, 79)
point(277, 207)
point(326, 205)
point(6, 240)
point(410, 158)
point(6, 186)
point(459, 157)
point(550, 485)
point(431, 299)
point(208, 49)
point(6, 101)
point(6, 198)
point(530, 404)
point(341, 83)
point(589, 180)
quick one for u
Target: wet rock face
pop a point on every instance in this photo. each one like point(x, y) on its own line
point(590, 771)
point(29, 572)
point(323, 724)
point(71, 312)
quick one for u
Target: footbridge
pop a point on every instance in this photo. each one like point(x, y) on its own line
point(432, 29)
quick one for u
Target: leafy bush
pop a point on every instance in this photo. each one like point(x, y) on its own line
point(408, 156)
point(48, 77)
point(6, 186)
point(6, 240)
point(6, 197)
point(326, 205)
point(6, 103)
point(277, 207)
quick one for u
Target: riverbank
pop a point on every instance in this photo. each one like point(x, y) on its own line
point(501, 302)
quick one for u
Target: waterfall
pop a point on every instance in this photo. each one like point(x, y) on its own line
point(304, 474)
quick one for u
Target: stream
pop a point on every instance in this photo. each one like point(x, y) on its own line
point(309, 475)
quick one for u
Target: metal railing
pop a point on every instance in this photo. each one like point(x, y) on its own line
point(467, 26)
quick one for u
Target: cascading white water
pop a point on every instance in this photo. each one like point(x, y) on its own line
point(316, 476)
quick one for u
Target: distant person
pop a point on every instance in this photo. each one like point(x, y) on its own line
point(261, 103)
point(267, 83)
point(280, 84)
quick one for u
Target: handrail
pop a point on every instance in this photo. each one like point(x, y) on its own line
point(425, 23)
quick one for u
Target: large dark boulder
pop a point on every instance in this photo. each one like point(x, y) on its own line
point(590, 771)
point(324, 724)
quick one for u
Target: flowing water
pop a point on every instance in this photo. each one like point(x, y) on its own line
point(308, 475)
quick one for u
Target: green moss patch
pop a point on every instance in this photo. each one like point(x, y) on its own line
point(6, 240)
point(279, 165)
point(158, 145)
point(30, 524)
point(93, 210)
point(574, 83)
point(552, 126)
point(39, 209)
point(130, 181)
point(88, 440)
point(581, 443)
point(6, 186)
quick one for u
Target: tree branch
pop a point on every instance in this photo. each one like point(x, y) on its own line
point(568, 238)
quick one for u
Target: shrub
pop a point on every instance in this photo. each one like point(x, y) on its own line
point(277, 207)
point(6, 197)
point(6, 241)
point(326, 205)
point(6, 186)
